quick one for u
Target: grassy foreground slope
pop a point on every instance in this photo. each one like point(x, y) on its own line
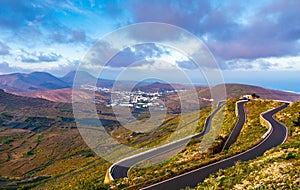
point(38, 140)
point(91, 176)
point(278, 168)
point(191, 157)
point(57, 152)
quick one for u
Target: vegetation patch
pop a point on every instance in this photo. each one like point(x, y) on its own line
point(278, 168)
point(191, 157)
point(7, 141)
point(253, 130)
point(61, 153)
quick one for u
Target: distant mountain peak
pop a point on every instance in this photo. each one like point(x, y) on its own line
point(31, 81)
point(152, 80)
point(83, 77)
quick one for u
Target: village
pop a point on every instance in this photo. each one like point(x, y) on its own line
point(136, 99)
point(132, 99)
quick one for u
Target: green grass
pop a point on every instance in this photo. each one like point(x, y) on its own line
point(92, 178)
point(70, 174)
point(6, 116)
point(278, 168)
point(38, 138)
point(253, 129)
point(78, 168)
point(191, 158)
point(28, 153)
point(7, 141)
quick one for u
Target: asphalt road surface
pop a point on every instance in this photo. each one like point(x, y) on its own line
point(238, 126)
point(120, 169)
point(276, 137)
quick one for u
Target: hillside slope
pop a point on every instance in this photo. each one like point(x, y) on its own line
point(237, 90)
point(31, 81)
point(159, 87)
point(61, 95)
point(278, 168)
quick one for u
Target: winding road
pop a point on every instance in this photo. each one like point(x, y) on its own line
point(277, 136)
point(120, 169)
point(238, 126)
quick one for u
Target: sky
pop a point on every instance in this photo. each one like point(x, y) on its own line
point(256, 42)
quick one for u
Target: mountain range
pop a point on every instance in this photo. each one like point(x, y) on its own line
point(59, 89)
point(32, 81)
point(22, 82)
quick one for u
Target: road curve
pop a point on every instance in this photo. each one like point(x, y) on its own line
point(238, 126)
point(276, 137)
point(120, 169)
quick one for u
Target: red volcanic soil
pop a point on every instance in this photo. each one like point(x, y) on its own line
point(61, 95)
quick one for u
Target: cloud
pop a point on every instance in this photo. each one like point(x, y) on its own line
point(66, 35)
point(286, 63)
point(4, 49)
point(52, 57)
point(15, 14)
point(141, 56)
point(131, 55)
point(127, 57)
point(34, 23)
point(78, 36)
point(234, 30)
point(5, 68)
point(273, 30)
point(238, 33)
point(62, 69)
point(186, 14)
point(187, 65)
point(39, 57)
